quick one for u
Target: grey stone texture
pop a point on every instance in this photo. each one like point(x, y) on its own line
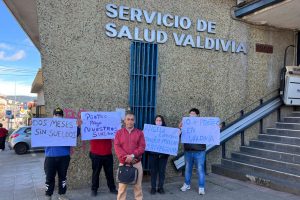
point(83, 68)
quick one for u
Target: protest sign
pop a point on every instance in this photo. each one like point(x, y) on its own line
point(122, 112)
point(161, 139)
point(201, 130)
point(46, 132)
point(99, 125)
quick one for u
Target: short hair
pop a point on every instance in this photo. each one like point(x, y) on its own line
point(129, 113)
point(1, 125)
point(195, 110)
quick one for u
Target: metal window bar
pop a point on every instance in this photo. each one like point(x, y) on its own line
point(143, 78)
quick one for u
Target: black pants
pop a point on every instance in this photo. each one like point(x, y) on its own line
point(59, 165)
point(2, 142)
point(158, 165)
point(107, 163)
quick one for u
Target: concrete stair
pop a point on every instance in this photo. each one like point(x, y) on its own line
point(272, 160)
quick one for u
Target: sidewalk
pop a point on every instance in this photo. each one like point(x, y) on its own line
point(22, 178)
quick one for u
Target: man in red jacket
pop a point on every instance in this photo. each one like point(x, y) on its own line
point(3, 134)
point(130, 146)
point(101, 155)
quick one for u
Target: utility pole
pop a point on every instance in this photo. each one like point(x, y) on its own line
point(15, 106)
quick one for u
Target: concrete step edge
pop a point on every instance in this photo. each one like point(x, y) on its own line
point(245, 176)
point(268, 159)
point(287, 123)
point(282, 144)
point(283, 129)
point(263, 168)
point(292, 117)
point(280, 136)
point(290, 154)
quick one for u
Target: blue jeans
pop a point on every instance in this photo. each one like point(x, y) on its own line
point(197, 157)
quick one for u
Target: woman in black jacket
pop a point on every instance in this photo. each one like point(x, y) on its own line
point(158, 163)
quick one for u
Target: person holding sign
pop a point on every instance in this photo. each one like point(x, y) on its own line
point(101, 155)
point(194, 153)
point(158, 163)
point(57, 159)
point(100, 129)
point(130, 145)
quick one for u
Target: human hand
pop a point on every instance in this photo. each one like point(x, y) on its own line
point(128, 159)
point(180, 125)
point(79, 122)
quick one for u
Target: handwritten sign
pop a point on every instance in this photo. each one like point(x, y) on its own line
point(46, 132)
point(99, 125)
point(201, 130)
point(121, 112)
point(161, 139)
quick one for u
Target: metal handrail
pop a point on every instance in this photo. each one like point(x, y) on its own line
point(248, 106)
point(242, 123)
point(245, 121)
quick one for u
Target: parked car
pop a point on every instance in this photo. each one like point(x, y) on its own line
point(20, 140)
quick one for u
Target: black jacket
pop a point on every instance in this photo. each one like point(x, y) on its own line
point(194, 147)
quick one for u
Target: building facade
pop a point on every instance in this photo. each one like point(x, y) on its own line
point(203, 57)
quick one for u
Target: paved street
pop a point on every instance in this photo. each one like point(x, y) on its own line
point(22, 178)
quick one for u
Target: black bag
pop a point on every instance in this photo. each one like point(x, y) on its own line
point(127, 175)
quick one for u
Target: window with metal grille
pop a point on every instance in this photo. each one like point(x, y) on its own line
point(143, 77)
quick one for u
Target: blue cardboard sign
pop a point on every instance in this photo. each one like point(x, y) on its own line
point(46, 132)
point(161, 139)
point(99, 125)
point(201, 130)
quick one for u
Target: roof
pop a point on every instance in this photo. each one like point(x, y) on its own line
point(38, 82)
point(25, 12)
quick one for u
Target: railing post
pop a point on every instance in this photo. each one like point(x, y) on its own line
point(223, 124)
point(278, 114)
point(224, 150)
point(242, 132)
point(261, 122)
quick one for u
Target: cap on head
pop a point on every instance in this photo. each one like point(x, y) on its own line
point(58, 111)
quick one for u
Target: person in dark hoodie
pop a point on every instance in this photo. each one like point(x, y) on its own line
point(158, 163)
point(57, 160)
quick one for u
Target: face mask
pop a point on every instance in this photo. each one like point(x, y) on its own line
point(57, 116)
point(158, 123)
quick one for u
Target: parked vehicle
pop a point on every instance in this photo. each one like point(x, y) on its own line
point(20, 140)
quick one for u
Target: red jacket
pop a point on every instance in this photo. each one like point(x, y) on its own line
point(129, 143)
point(101, 147)
point(3, 132)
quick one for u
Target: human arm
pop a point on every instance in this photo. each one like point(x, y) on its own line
point(138, 152)
point(120, 152)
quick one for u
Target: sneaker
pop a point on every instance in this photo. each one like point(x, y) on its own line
point(94, 193)
point(201, 191)
point(113, 191)
point(161, 190)
point(63, 197)
point(48, 197)
point(153, 191)
point(185, 187)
